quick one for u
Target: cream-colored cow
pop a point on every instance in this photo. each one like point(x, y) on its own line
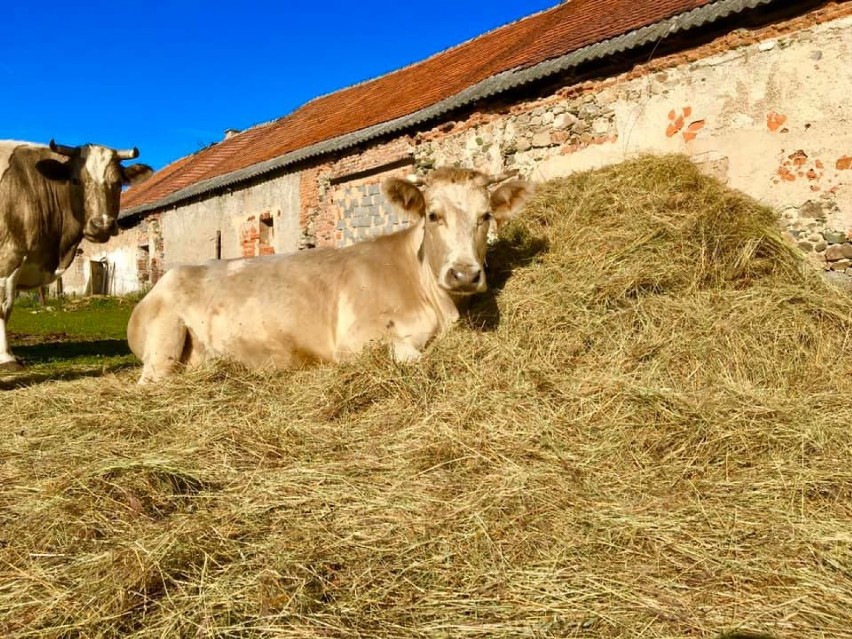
point(325, 305)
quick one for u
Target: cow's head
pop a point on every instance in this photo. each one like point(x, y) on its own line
point(457, 206)
point(95, 176)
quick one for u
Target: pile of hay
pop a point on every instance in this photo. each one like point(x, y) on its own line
point(646, 432)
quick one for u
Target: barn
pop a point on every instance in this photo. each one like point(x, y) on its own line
point(750, 89)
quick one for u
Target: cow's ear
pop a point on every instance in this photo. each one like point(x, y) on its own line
point(136, 173)
point(54, 170)
point(508, 198)
point(405, 195)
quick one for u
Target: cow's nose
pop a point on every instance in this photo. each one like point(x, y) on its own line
point(464, 277)
point(102, 223)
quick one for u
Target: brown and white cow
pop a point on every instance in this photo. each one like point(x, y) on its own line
point(51, 197)
point(325, 305)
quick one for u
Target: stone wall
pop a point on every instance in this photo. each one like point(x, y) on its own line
point(131, 260)
point(255, 220)
point(362, 212)
point(345, 203)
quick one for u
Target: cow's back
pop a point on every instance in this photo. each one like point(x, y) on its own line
point(289, 309)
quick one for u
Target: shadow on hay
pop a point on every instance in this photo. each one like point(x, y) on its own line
point(517, 247)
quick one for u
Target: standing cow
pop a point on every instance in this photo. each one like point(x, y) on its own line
point(51, 197)
point(325, 305)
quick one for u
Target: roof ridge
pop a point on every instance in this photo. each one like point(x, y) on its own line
point(423, 60)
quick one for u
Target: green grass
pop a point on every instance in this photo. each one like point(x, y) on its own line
point(88, 317)
point(68, 338)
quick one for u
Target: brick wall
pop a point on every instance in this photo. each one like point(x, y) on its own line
point(257, 234)
point(255, 219)
point(361, 211)
point(344, 203)
point(149, 253)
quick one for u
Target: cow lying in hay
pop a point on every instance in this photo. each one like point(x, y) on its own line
point(51, 197)
point(326, 305)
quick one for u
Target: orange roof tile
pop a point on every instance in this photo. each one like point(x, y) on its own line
point(542, 36)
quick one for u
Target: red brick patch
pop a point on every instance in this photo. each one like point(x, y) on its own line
point(677, 123)
point(785, 174)
point(844, 163)
point(775, 121)
point(692, 130)
point(798, 158)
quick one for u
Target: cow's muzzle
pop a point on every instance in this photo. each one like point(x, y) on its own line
point(100, 229)
point(464, 279)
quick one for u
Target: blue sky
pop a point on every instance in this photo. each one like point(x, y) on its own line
point(171, 76)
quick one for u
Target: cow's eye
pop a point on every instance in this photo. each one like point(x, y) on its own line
point(487, 217)
point(433, 217)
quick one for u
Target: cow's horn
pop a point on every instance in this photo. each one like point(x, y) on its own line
point(502, 177)
point(61, 149)
point(128, 154)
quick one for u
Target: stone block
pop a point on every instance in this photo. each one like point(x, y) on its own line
point(841, 265)
point(834, 252)
point(541, 139)
point(564, 121)
point(600, 126)
point(589, 111)
point(834, 237)
point(812, 210)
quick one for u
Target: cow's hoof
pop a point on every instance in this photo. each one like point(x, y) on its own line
point(11, 366)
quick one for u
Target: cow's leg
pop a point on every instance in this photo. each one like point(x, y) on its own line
point(404, 352)
point(7, 297)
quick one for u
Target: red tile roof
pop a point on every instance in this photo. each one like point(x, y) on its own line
point(543, 36)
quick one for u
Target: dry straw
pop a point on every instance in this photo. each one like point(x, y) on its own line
point(643, 432)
